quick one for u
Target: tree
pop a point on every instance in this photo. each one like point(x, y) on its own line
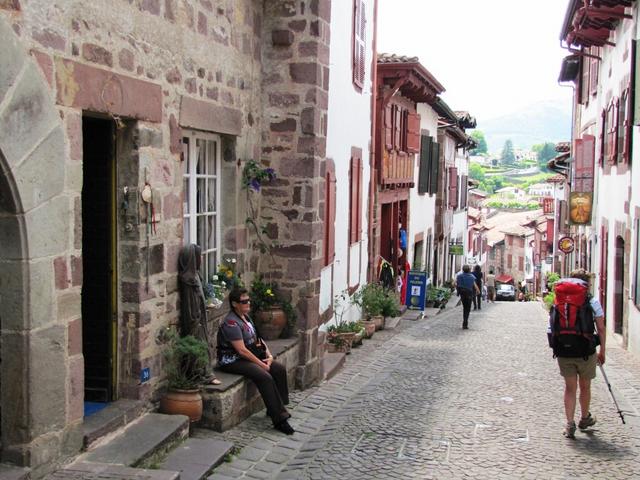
point(508, 157)
point(478, 136)
point(476, 172)
point(546, 151)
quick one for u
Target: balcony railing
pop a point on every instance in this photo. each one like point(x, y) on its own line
point(396, 169)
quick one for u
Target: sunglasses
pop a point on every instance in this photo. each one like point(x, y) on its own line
point(244, 302)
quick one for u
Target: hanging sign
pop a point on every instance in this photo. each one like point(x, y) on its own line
point(580, 204)
point(455, 249)
point(566, 245)
point(417, 283)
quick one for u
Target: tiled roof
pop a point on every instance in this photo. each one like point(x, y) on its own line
point(563, 146)
point(556, 179)
point(393, 58)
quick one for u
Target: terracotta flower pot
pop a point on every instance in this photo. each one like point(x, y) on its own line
point(369, 328)
point(379, 321)
point(182, 402)
point(270, 322)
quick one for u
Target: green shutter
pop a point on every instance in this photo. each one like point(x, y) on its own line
point(425, 164)
point(435, 164)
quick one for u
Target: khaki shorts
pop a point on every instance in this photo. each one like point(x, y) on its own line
point(570, 367)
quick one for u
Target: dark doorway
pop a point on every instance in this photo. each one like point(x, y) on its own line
point(98, 260)
point(618, 289)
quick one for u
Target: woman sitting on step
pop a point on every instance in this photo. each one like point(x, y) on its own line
point(241, 351)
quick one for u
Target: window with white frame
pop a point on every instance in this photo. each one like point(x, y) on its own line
point(201, 196)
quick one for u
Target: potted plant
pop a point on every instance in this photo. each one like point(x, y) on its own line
point(186, 360)
point(370, 299)
point(342, 333)
point(271, 312)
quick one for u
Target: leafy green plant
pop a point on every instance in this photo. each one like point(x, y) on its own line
point(266, 294)
point(549, 299)
point(370, 299)
point(186, 360)
point(390, 304)
point(551, 279)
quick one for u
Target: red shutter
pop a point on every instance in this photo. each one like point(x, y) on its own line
point(388, 127)
point(612, 123)
point(464, 188)
point(330, 214)
point(603, 137)
point(550, 240)
point(453, 187)
point(578, 167)
point(358, 55)
point(626, 126)
point(588, 160)
point(584, 82)
point(413, 133)
point(355, 196)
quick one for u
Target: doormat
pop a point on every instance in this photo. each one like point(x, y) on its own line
point(93, 407)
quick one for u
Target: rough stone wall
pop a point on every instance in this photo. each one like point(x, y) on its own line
point(295, 102)
point(146, 57)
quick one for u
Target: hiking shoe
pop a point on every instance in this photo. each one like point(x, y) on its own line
point(587, 422)
point(570, 430)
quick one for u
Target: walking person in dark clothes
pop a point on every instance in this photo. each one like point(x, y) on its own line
point(241, 351)
point(477, 299)
point(467, 289)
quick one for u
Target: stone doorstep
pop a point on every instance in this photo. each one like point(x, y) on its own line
point(10, 472)
point(140, 441)
point(196, 457)
point(114, 416)
point(332, 363)
point(391, 322)
point(104, 471)
point(237, 398)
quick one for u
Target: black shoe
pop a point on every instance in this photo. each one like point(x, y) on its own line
point(465, 327)
point(284, 427)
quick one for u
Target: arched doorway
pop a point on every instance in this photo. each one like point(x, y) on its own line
point(35, 421)
point(618, 289)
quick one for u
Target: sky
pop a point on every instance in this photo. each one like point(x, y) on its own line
point(493, 57)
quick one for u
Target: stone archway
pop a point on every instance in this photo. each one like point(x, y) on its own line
point(35, 228)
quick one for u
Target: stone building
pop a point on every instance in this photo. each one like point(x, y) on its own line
point(102, 101)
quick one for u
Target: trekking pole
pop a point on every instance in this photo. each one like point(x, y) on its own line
point(604, 375)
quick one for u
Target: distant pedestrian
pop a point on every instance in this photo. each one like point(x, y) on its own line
point(491, 286)
point(477, 298)
point(467, 289)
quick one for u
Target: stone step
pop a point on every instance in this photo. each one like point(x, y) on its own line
point(237, 398)
point(10, 472)
point(106, 471)
point(391, 322)
point(140, 442)
point(196, 457)
point(332, 363)
point(114, 416)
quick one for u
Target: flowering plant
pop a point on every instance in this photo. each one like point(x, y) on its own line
point(254, 175)
point(265, 294)
point(220, 282)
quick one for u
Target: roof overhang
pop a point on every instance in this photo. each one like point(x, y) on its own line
point(412, 79)
point(589, 23)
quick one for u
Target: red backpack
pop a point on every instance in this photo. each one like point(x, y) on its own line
point(571, 323)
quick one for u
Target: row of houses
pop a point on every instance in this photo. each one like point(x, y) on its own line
point(597, 219)
point(125, 129)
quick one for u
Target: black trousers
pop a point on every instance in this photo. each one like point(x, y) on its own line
point(466, 308)
point(477, 300)
point(272, 385)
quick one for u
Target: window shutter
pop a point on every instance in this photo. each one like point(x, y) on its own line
point(388, 127)
point(413, 133)
point(330, 215)
point(578, 166)
point(603, 138)
point(588, 159)
point(625, 134)
point(425, 164)
point(612, 123)
point(463, 196)
point(355, 200)
point(359, 29)
point(435, 163)
point(397, 123)
point(453, 187)
point(593, 77)
point(584, 82)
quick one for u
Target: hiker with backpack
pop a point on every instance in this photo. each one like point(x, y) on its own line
point(467, 290)
point(576, 327)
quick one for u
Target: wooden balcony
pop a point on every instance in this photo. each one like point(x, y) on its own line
point(396, 169)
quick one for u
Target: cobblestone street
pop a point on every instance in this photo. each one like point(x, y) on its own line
point(429, 400)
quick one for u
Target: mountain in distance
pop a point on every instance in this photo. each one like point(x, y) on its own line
point(544, 121)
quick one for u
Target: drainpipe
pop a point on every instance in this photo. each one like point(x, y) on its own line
point(372, 243)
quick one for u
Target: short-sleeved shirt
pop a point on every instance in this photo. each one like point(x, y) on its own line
point(596, 307)
point(491, 280)
point(231, 329)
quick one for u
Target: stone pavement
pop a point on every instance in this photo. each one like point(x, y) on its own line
point(430, 400)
